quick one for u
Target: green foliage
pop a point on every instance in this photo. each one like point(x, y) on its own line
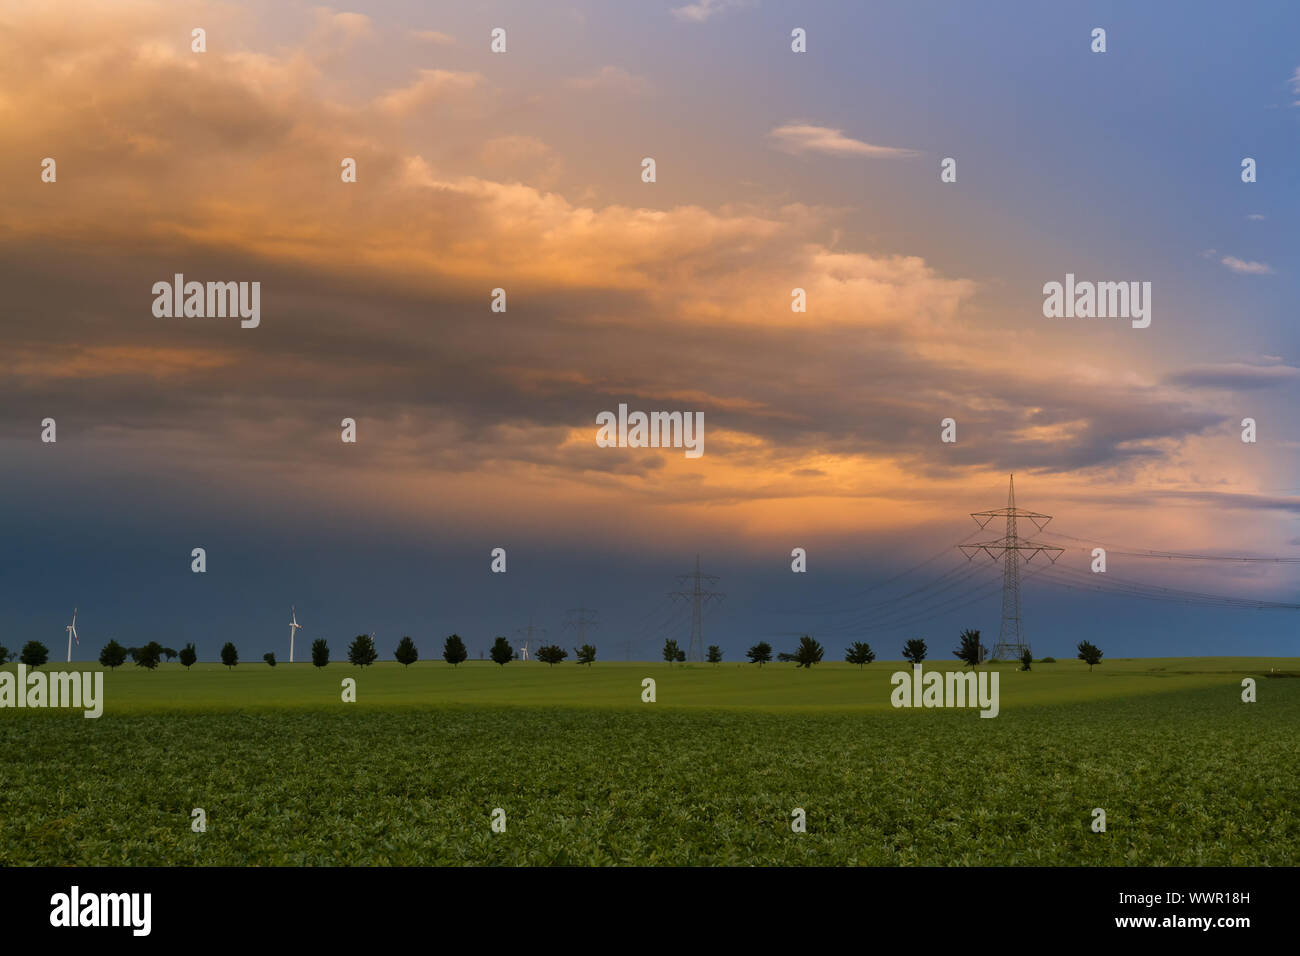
point(714, 655)
point(860, 653)
point(1048, 660)
point(407, 653)
point(945, 790)
point(1090, 654)
point(229, 655)
point(551, 654)
point(34, 654)
point(320, 652)
point(453, 650)
point(584, 654)
point(188, 656)
point(361, 652)
point(501, 651)
point(1026, 659)
point(671, 650)
point(112, 655)
point(760, 653)
point(4, 654)
point(808, 653)
point(969, 651)
point(915, 650)
point(169, 652)
point(269, 657)
point(149, 656)
point(681, 655)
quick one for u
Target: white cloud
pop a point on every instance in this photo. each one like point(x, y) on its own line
point(1241, 267)
point(1256, 216)
point(429, 87)
point(804, 138)
point(433, 36)
point(610, 78)
point(702, 10)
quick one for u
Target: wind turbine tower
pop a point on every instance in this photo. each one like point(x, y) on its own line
point(72, 634)
point(293, 626)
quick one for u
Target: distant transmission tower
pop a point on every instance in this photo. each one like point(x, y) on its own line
point(1011, 639)
point(580, 618)
point(530, 645)
point(699, 596)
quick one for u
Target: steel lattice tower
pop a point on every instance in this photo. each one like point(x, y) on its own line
point(699, 596)
point(1011, 639)
point(580, 618)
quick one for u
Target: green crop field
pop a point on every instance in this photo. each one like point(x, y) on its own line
point(587, 773)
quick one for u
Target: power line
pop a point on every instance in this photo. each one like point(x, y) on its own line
point(700, 595)
point(1011, 639)
point(1181, 555)
point(580, 618)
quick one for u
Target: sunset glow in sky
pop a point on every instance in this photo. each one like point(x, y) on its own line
point(522, 171)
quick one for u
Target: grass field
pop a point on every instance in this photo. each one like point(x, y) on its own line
point(708, 774)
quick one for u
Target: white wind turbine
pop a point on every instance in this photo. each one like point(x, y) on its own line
point(293, 626)
point(523, 652)
point(72, 634)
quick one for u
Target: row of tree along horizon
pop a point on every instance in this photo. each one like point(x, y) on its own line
point(362, 652)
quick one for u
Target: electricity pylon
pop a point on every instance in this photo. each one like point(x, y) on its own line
point(579, 621)
point(1011, 639)
point(700, 596)
point(530, 645)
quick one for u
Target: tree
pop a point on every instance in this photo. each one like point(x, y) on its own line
point(34, 654)
point(681, 655)
point(714, 656)
point(149, 655)
point(860, 653)
point(760, 653)
point(135, 654)
point(320, 652)
point(1090, 654)
point(362, 651)
point(169, 652)
point(969, 651)
point(551, 654)
point(584, 654)
point(188, 655)
point(784, 657)
point(406, 652)
point(269, 658)
point(229, 656)
point(453, 650)
point(502, 652)
point(671, 651)
point(113, 655)
point(914, 650)
point(4, 654)
point(808, 653)
point(1026, 659)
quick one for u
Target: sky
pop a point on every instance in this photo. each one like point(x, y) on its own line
point(522, 170)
